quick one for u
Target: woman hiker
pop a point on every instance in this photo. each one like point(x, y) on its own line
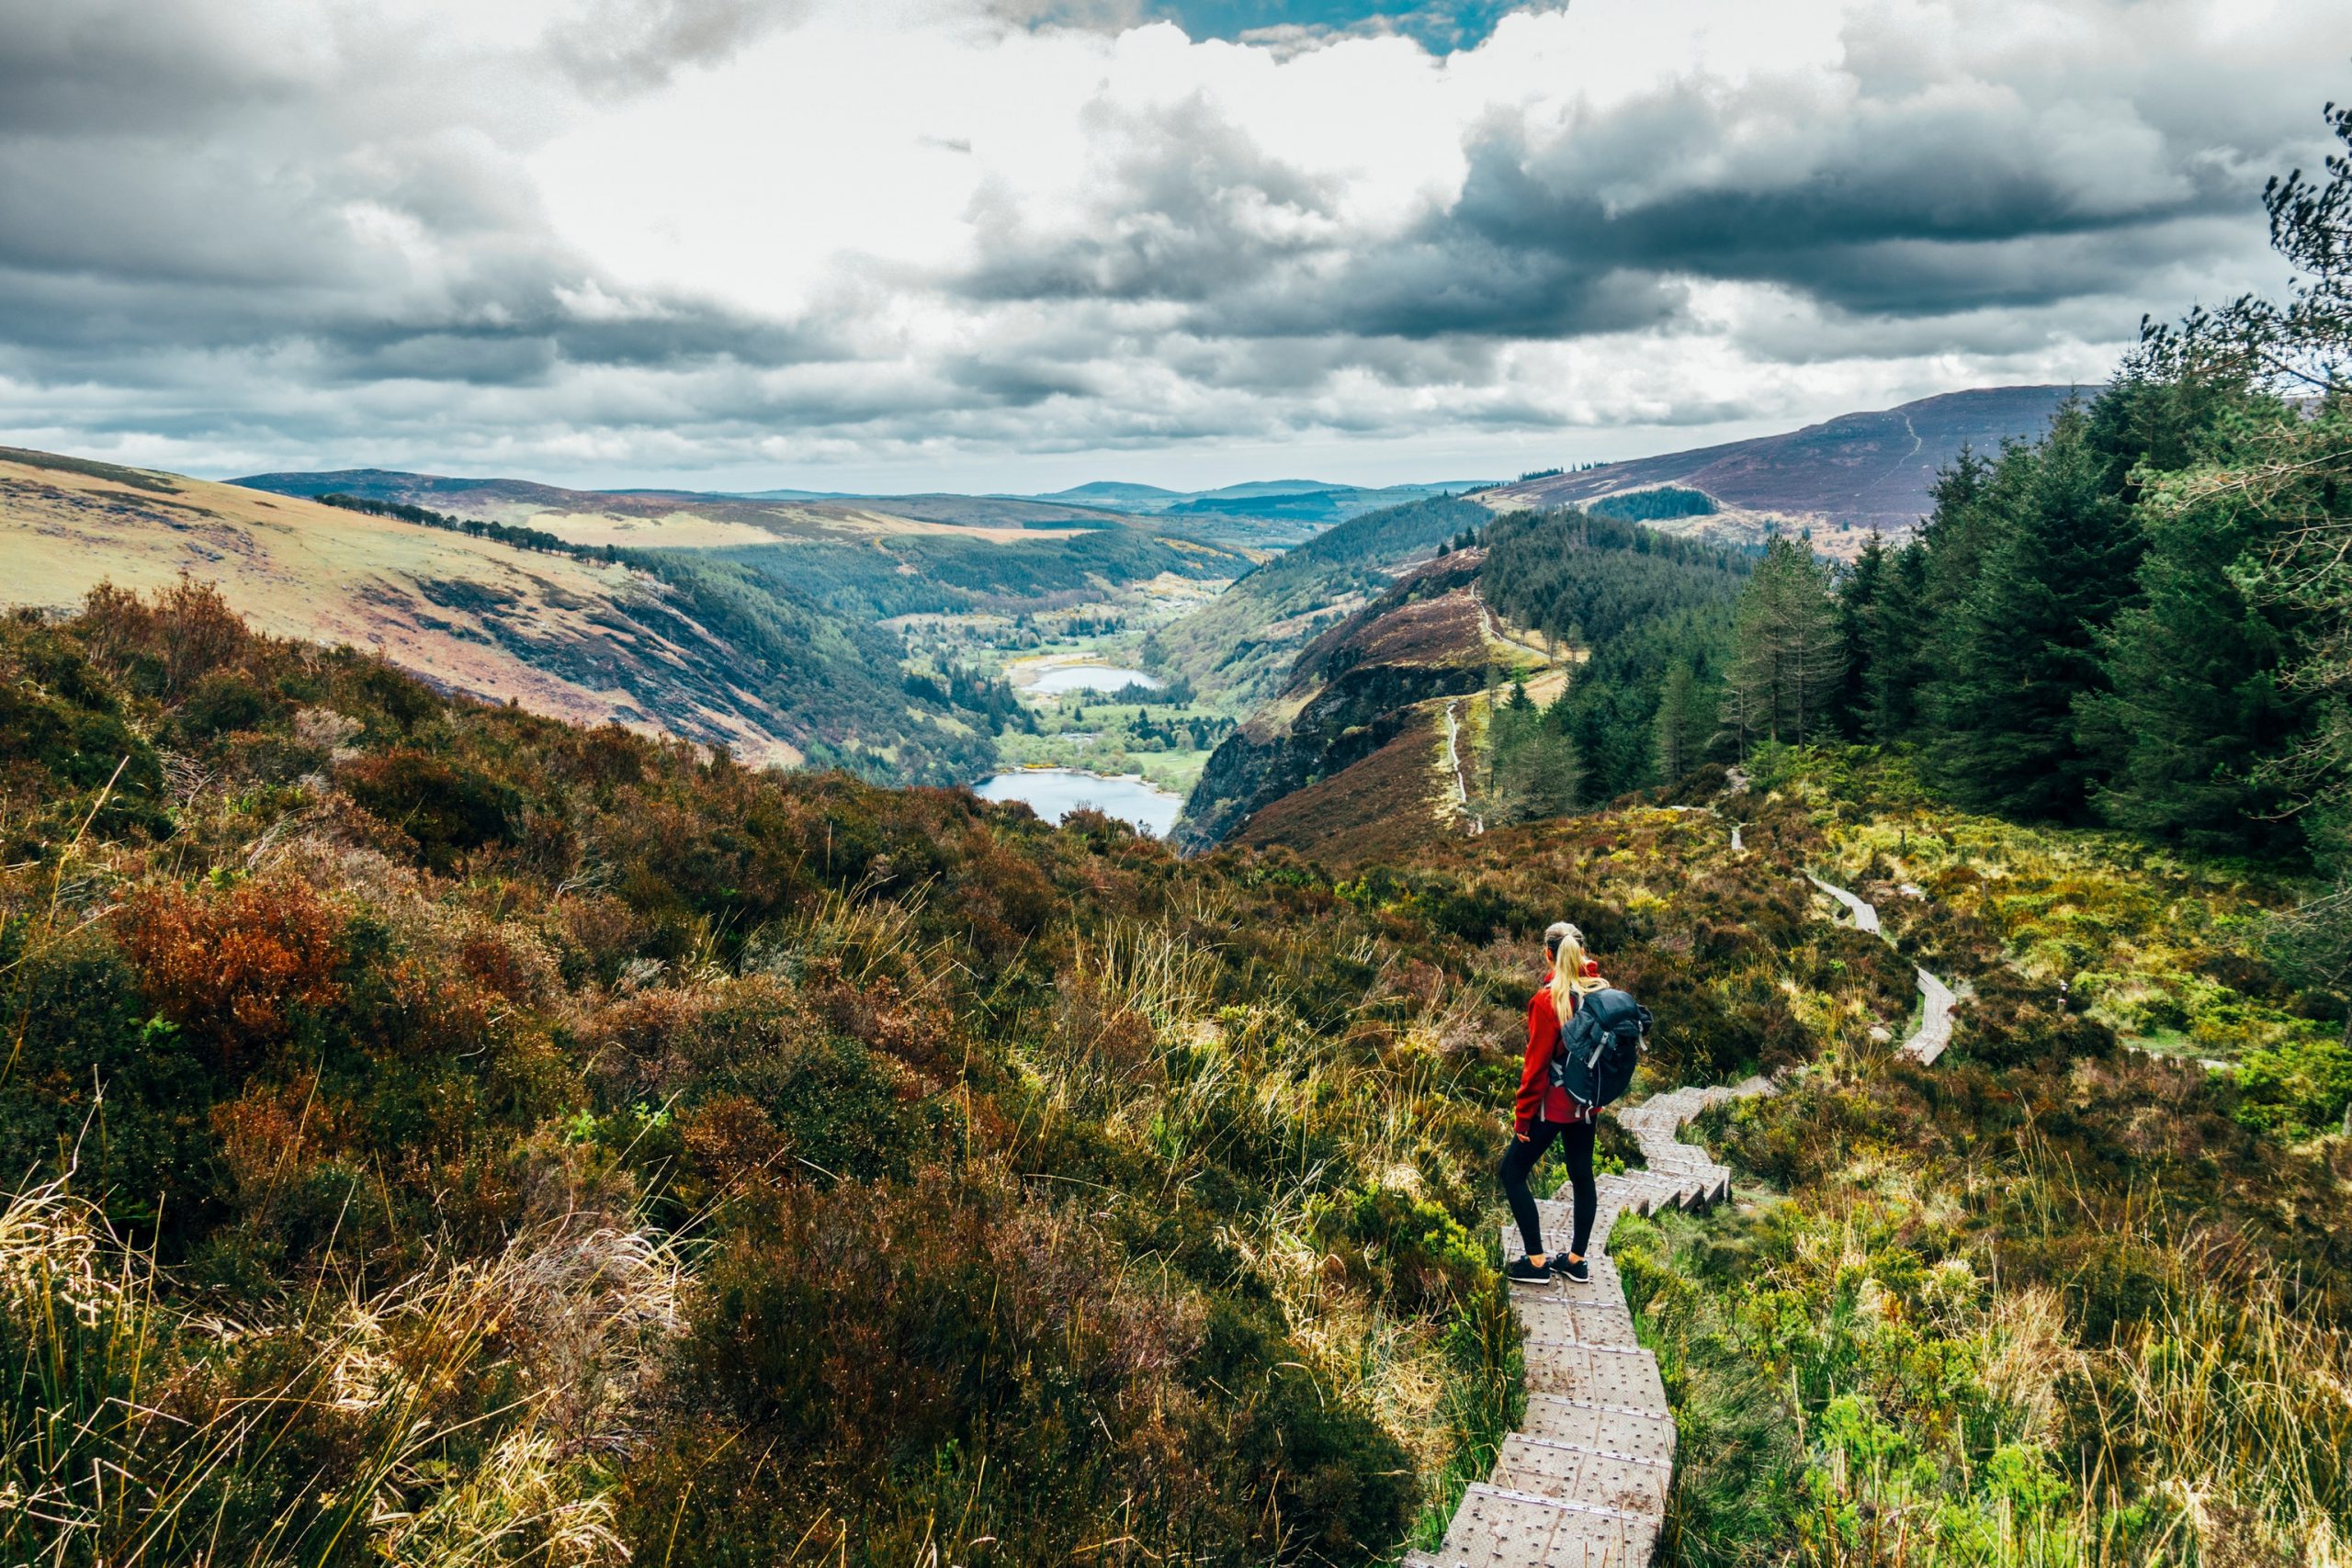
point(1546, 1111)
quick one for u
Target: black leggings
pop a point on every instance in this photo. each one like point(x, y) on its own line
point(1576, 1147)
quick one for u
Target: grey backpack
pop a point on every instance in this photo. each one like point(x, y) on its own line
point(1599, 1047)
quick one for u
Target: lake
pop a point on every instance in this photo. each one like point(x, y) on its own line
point(1053, 792)
point(1102, 678)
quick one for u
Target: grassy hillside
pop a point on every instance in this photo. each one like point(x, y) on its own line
point(558, 634)
point(682, 642)
point(445, 1132)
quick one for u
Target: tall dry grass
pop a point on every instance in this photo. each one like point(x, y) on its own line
point(468, 1414)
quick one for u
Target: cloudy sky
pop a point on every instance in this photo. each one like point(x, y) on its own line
point(1021, 243)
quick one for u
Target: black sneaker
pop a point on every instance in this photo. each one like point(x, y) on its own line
point(1572, 1269)
point(1520, 1272)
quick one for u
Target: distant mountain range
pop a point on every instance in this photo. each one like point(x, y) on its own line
point(1842, 477)
point(756, 624)
point(1312, 503)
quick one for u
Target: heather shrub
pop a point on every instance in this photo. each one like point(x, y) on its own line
point(236, 966)
point(446, 808)
point(98, 1083)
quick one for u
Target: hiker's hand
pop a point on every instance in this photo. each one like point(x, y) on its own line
point(1522, 1137)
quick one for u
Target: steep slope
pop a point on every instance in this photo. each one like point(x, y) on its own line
point(1362, 685)
point(680, 644)
point(1515, 680)
point(582, 641)
point(1842, 477)
point(1240, 647)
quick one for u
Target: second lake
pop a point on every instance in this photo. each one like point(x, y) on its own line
point(1054, 792)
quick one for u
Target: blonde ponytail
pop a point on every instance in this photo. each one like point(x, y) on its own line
point(1565, 944)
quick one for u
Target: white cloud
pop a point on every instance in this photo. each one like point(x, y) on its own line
point(963, 241)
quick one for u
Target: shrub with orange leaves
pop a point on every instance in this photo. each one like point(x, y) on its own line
point(176, 637)
point(234, 966)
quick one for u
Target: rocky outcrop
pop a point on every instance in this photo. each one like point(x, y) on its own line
point(1351, 692)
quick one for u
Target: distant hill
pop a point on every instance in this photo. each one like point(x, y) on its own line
point(867, 557)
point(1260, 514)
point(1287, 509)
point(1842, 477)
point(1111, 493)
point(691, 644)
point(677, 518)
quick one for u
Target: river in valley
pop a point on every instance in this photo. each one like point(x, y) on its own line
point(1052, 792)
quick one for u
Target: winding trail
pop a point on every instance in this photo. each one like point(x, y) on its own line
point(1461, 778)
point(1583, 1483)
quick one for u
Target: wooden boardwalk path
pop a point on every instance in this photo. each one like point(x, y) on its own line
point(1583, 1483)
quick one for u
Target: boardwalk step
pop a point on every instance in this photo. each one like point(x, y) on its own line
point(1589, 1426)
point(1622, 1379)
point(1546, 1314)
point(1501, 1528)
point(1584, 1474)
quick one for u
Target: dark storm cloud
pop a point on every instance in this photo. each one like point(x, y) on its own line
point(1894, 203)
point(1927, 212)
point(172, 178)
point(123, 67)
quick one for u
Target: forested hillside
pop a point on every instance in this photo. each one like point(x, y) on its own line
point(2138, 621)
point(1240, 648)
point(1646, 616)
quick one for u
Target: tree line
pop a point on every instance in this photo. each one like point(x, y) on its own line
point(2136, 621)
point(2141, 620)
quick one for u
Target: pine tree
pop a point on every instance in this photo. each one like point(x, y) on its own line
point(1958, 530)
point(1684, 723)
point(1861, 596)
point(2196, 708)
point(1786, 664)
point(1533, 772)
point(2021, 650)
point(1896, 636)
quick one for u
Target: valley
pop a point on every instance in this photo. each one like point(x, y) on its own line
point(1175, 783)
point(589, 1079)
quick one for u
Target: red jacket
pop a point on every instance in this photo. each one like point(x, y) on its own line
point(1539, 1099)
